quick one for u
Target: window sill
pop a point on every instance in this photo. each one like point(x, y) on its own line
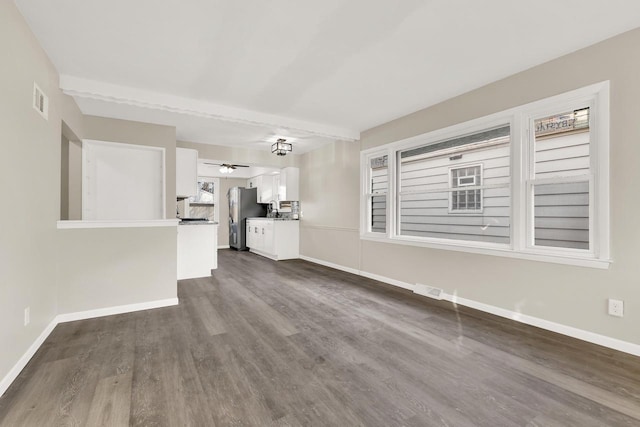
point(61, 225)
point(496, 251)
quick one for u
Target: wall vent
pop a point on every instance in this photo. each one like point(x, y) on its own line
point(40, 101)
point(428, 291)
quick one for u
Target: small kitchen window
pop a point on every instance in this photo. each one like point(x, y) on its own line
point(206, 193)
point(206, 203)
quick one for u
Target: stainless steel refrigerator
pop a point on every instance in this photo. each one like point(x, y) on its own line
point(242, 205)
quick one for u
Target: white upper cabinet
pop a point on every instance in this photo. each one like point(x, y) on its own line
point(186, 172)
point(262, 183)
point(288, 185)
point(277, 187)
point(255, 182)
point(267, 187)
point(269, 190)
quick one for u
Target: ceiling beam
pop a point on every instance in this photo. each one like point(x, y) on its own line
point(85, 88)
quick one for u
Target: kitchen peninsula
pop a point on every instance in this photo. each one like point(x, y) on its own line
point(197, 248)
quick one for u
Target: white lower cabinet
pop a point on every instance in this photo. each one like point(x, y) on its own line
point(197, 250)
point(275, 239)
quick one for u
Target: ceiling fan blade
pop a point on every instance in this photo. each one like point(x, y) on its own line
point(232, 166)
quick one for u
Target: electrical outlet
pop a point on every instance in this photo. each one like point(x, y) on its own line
point(27, 316)
point(616, 307)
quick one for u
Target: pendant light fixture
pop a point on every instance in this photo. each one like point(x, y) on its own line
point(281, 147)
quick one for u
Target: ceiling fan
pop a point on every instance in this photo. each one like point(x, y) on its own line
point(226, 167)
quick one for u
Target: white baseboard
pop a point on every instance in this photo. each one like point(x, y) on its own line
point(389, 281)
point(224, 247)
point(69, 317)
point(570, 331)
point(330, 265)
point(119, 309)
point(22, 362)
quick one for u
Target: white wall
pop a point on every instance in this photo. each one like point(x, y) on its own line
point(568, 295)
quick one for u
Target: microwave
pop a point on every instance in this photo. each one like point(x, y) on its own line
point(284, 206)
point(292, 207)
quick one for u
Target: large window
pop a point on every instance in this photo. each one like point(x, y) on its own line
point(531, 182)
point(442, 191)
point(560, 180)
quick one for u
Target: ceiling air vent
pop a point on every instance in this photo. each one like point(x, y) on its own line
point(40, 101)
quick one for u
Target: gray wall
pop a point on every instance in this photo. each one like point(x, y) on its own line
point(329, 199)
point(569, 295)
point(29, 165)
point(74, 180)
point(100, 268)
point(64, 177)
point(107, 267)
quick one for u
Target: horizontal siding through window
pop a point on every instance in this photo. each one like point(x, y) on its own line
point(425, 196)
point(433, 173)
point(561, 214)
point(566, 155)
point(379, 184)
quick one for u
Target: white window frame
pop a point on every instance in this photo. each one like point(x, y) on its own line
point(474, 186)
point(521, 120)
point(531, 181)
point(368, 194)
point(216, 194)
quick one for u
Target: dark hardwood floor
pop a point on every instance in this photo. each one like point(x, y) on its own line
point(291, 343)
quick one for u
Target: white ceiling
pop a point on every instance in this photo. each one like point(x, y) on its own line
point(243, 72)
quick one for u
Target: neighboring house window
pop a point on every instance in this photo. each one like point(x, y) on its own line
point(531, 182)
point(469, 199)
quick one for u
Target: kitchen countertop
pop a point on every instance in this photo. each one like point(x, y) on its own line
point(273, 219)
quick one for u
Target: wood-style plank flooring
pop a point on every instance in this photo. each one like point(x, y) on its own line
point(264, 343)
